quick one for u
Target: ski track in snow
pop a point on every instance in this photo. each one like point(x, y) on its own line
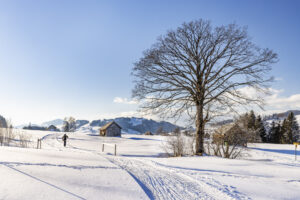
point(164, 182)
point(161, 184)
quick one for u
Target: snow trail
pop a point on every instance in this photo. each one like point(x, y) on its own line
point(163, 184)
point(161, 181)
point(167, 183)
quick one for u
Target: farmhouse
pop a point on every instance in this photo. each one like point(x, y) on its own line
point(111, 129)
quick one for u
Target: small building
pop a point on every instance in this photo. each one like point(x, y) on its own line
point(111, 129)
point(52, 128)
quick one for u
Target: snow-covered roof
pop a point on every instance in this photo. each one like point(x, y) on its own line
point(109, 124)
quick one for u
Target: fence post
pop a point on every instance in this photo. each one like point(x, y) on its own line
point(115, 149)
point(296, 152)
point(40, 143)
point(37, 144)
point(102, 147)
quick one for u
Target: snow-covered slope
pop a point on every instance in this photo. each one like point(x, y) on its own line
point(140, 171)
point(55, 122)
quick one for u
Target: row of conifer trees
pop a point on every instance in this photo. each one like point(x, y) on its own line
point(280, 132)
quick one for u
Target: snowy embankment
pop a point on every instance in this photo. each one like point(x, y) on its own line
point(140, 171)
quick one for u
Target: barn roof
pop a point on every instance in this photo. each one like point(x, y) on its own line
point(109, 124)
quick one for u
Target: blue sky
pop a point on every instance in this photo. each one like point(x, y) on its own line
point(62, 58)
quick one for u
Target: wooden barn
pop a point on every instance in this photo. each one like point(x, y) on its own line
point(111, 129)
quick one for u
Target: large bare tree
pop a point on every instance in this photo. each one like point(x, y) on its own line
point(200, 70)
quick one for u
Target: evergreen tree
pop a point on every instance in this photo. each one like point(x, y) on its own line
point(251, 120)
point(291, 129)
point(260, 128)
point(278, 133)
point(284, 131)
point(274, 132)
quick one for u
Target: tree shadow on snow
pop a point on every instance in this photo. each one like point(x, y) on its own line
point(159, 155)
point(282, 151)
point(40, 180)
point(135, 138)
point(78, 167)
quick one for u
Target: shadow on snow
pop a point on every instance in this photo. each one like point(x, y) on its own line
point(40, 180)
point(78, 167)
point(282, 151)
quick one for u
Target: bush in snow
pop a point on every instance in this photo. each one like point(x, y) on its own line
point(6, 134)
point(228, 142)
point(24, 140)
point(11, 137)
point(179, 145)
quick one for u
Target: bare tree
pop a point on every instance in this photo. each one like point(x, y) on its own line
point(200, 70)
point(177, 131)
point(179, 145)
point(69, 124)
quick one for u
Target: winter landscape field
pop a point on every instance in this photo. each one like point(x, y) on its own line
point(140, 170)
point(158, 100)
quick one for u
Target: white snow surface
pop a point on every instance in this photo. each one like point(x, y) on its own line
point(140, 170)
point(136, 121)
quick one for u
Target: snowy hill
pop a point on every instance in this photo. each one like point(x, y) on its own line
point(55, 122)
point(281, 116)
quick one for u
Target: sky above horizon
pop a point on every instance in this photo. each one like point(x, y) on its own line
point(74, 58)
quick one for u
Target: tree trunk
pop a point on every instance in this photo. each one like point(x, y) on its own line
point(199, 130)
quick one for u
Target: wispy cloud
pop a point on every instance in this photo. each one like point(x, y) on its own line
point(276, 101)
point(125, 101)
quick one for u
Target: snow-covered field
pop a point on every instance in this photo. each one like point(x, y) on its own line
point(140, 171)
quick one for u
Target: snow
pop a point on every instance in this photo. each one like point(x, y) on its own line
point(136, 121)
point(131, 131)
point(142, 171)
point(298, 118)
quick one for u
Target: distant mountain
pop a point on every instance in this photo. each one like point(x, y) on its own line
point(80, 123)
point(221, 123)
point(129, 124)
point(281, 116)
point(137, 125)
point(55, 122)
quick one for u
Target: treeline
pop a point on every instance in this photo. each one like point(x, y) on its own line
point(285, 132)
point(41, 128)
point(69, 125)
